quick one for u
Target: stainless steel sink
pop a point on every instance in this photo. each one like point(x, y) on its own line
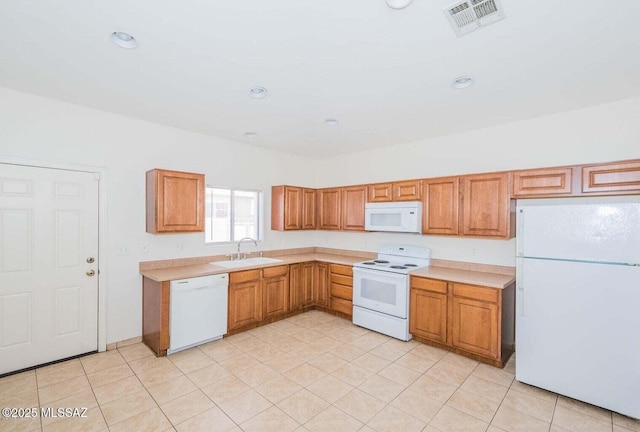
point(247, 262)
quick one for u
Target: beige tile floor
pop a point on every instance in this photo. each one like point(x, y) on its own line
point(312, 372)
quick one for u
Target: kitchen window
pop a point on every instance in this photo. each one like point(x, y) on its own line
point(232, 214)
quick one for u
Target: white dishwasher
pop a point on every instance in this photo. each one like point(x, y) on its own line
point(198, 311)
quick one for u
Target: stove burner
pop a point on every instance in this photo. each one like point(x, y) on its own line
point(369, 263)
point(381, 261)
point(410, 265)
point(397, 267)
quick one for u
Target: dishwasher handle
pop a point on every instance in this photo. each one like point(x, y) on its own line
point(201, 282)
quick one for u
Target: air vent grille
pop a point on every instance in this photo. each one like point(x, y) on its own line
point(471, 15)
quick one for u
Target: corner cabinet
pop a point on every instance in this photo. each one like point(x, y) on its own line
point(292, 208)
point(474, 321)
point(175, 201)
point(487, 210)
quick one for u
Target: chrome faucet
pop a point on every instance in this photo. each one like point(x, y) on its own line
point(255, 242)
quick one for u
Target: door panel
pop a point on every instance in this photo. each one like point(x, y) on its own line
point(48, 301)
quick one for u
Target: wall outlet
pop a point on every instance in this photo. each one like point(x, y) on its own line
point(124, 250)
point(144, 249)
point(180, 246)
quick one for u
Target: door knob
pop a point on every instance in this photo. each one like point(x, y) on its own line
point(90, 260)
point(90, 272)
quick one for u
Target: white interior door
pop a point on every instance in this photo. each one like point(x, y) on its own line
point(48, 265)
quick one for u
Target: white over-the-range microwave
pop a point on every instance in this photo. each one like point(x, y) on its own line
point(400, 216)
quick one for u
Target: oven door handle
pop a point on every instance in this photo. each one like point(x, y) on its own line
point(383, 273)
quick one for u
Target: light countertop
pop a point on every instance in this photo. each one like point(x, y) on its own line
point(493, 280)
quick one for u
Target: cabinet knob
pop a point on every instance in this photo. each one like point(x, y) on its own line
point(90, 272)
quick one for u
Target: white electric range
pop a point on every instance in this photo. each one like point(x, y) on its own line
point(381, 289)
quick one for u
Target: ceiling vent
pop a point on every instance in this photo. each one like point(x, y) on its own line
point(470, 15)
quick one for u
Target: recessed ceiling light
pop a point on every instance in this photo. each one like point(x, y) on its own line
point(462, 82)
point(250, 135)
point(398, 4)
point(124, 40)
point(258, 92)
point(331, 122)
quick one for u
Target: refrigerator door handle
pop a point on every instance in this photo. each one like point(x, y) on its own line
point(520, 233)
point(520, 287)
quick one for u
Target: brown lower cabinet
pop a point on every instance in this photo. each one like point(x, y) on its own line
point(341, 289)
point(275, 291)
point(321, 285)
point(471, 320)
point(245, 299)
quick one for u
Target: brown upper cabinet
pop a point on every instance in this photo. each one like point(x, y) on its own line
point(409, 190)
point(308, 209)
point(486, 205)
point(175, 201)
point(329, 208)
point(292, 208)
point(612, 177)
point(440, 209)
point(353, 200)
point(542, 182)
point(380, 192)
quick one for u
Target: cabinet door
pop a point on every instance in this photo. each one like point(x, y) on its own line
point(295, 287)
point(308, 209)
point(440, 212)
point(486, 209)
point(542, 182)
point(321, 285)
point(292, 208)
point(275, 292)
point(612, 177)
point(381, 192)
point(410, 190)
point(307, 282)
point(329, 206)
point(245, 304)
point(175, 201)
point(475, 326)
point(353, 200)
point(428, 315)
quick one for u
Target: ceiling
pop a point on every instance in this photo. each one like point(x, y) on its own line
point(384, 74)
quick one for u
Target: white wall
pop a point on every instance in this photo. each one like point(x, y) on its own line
point(42, 129)
point(600, 133)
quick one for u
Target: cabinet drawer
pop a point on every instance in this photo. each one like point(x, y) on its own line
point(429, 284)
point(476, 292)
point(615, 177)
point(341, 291)
point(275, 271)
point(342, 269)
point(339, 305)
point(343, 280)
point(244, 276)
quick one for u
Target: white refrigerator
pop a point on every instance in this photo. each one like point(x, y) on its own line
point(578, 299)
